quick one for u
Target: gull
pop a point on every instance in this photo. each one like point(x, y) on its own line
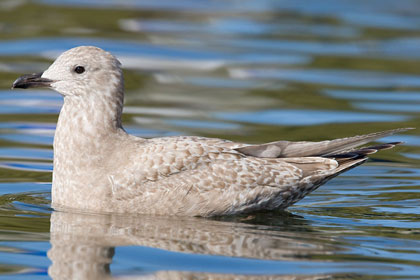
point(98, 167)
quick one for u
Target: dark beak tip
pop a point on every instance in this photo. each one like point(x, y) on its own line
point(17, 83)
point(31, 80)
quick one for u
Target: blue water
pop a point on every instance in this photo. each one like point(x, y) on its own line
point(250, 71)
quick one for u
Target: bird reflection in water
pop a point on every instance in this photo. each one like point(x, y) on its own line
point(83, 245)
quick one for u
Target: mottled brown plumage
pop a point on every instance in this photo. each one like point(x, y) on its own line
point(99, 167)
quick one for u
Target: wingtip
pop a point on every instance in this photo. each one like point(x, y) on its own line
point(364, 152)
point(402, 129)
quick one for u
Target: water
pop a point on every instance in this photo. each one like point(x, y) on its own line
point(252, 71)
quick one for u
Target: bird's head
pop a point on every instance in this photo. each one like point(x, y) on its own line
point(80, 71)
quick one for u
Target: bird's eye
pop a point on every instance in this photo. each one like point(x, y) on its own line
point(79, 69)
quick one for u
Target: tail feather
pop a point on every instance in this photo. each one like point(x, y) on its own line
point(362, 152)
point(354, 158)
point(327, 148)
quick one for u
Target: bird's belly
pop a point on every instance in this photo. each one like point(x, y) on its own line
point(87, 193)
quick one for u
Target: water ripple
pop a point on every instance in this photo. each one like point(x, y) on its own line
point(307, 117)
point(335, 77)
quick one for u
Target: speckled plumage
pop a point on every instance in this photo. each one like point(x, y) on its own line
point(99, 167)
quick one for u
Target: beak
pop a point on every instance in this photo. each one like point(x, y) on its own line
point(31, 80)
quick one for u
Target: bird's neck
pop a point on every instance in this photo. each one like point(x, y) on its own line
point(88, 131)
point(86, 126)
point(89, 117)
